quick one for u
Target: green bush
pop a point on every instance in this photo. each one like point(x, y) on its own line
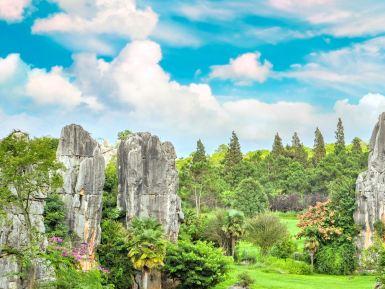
point(198, 265)
point(250, 197)
point(284, 249)
point(288, 266)
point(336, 259)
point(245, 280)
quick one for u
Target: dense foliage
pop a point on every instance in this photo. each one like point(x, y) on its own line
point(195, 265)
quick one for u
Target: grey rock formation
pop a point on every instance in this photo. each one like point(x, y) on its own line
point(109, 151)
point(148, 184)
point(370, 190)
point(83, 178)
point(15, 235)
point(148, 181)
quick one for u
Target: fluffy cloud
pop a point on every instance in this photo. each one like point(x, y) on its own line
point(142, 96)
point(244, 69)
point(354, 70)
point(92, 20)
point(44, 87)
point(13, 10)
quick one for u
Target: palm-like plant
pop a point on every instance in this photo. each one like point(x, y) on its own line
point(234, 228)
point(147, 246)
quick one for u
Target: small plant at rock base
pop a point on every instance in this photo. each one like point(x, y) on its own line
point(245, 280)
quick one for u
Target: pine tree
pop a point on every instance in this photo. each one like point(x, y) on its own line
point(319, 147)
point(278, 148)
point(297, 150)
point(200, 153)
point(232, 160)
point(233, 155)
point(356, 146)
point(295, 141)
point(340, 138)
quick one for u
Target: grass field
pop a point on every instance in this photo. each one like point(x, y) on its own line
point(265, 279)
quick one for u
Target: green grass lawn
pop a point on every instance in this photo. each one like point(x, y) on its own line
point(265, 280)
point(291, 220)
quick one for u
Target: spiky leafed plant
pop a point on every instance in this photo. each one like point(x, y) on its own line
point(147, 246)
point(234, 228)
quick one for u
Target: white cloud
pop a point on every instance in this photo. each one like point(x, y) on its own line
point(142, 96)
point(354, 70)
point(44, 87)
point(244, 69)
point(91, 21)
point(13, 10)
point(149, 99)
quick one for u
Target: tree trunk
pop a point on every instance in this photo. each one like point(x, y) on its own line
point(312, 260)
point(232, 247)
point(145, 279)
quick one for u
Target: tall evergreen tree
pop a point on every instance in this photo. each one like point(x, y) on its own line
point(356, 146)
point(278, 148)
point(297, 151)
point(233, 155)
point(295, 141)
point(200, 153)
point(340, 138)
point(232, 161)
point(319, 147)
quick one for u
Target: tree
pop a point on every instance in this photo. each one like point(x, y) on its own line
point(356, 146)
point(250, 197)
point(265, 231)
point(200, 153)
point(234, 228)
point(340, 138)
point(232, 161)
point(198, 172)
point(112, 254)
point(343, 203)
point(319, 147)
point(278, 149)
point(297, 150)
point(123, 135)
point(28, 172)
point(147, 246)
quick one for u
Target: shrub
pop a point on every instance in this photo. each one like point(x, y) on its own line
point(336, 259)
point(288, 266)
point(198, 265)
point(245, 280)
point(284, 249)
point(265, 231)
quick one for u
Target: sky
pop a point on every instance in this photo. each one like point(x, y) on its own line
point(193, 69)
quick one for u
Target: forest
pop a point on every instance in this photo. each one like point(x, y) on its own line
point(279, 218)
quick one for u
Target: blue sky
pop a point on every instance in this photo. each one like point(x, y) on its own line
point(193, 69)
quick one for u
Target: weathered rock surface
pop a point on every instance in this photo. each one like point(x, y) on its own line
point(15, 236)
point(148, 181)
point(83, 178)
point(109, 151)
point(148, 184)
point(370, 190)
